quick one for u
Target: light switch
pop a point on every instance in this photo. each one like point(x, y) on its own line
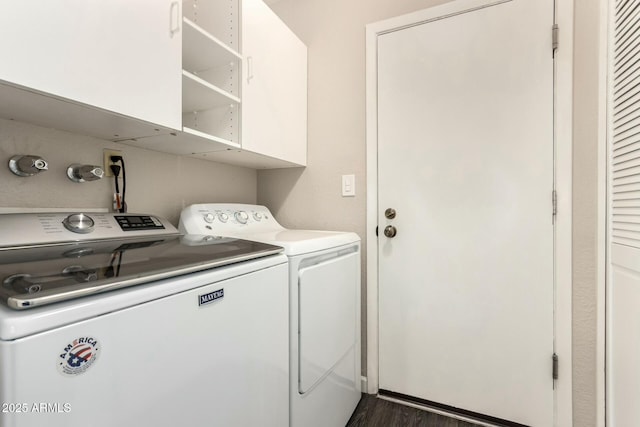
point(348, 185)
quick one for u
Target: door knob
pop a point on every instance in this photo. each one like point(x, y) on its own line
point(390, 231)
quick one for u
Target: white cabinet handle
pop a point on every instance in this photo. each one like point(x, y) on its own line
point(249, 68)
point(174, 18)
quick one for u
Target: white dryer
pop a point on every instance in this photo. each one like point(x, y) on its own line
point(324, 301)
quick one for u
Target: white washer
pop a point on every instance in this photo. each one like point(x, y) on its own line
point(124, 322)
point(324, 315)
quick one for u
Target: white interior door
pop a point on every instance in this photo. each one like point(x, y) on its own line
point(466, 158)
point(623, 284)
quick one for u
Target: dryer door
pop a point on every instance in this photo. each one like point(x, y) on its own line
point(327, 292)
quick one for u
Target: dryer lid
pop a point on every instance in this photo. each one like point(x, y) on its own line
point(298, 242)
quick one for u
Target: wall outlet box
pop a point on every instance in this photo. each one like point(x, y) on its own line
point(107, 160)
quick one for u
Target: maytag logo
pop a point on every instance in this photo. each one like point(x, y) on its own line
point(210, 297)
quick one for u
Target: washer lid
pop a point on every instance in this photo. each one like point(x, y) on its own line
point(16, 324)
point(33, 276)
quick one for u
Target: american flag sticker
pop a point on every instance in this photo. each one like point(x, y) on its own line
point(78, 356)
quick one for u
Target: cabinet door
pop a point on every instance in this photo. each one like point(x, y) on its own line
point(274, 88)
point(117, 55)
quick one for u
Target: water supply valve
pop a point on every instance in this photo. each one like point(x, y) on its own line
point(27, 165)
point(84, 173)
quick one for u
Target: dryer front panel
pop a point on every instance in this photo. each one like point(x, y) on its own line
point(327, 317)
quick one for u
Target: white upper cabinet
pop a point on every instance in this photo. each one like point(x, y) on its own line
point(118, 55)
point(274, 86)
point(222, 80)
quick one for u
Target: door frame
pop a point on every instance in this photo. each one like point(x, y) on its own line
point(563, 118)
point(603, 279)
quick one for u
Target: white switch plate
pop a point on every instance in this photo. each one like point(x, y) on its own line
point(348, 185)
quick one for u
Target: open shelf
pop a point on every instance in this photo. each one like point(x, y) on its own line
point(201, 51)
point(219, 19)
point(213, 139)
point(211, 77)
point(198, 94)
point(221, 122)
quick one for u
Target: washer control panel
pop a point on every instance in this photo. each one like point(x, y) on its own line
point(26, 229)
point(138, 222)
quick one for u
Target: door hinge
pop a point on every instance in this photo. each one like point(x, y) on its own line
point(555, 31)
point(554, 201)
point(555, 366)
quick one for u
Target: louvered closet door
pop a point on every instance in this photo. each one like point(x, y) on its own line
point(623, 299)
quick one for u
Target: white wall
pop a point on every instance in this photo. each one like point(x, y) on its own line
point(585, 209)
point(334, 33)
point(157, 183)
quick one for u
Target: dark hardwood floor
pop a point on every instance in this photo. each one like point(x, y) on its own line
point(375, 412)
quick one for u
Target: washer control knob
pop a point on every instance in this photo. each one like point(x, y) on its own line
point(242, 217)
point(79, 223)
point(223, 217)
point(257, 216)
point(209, 217)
